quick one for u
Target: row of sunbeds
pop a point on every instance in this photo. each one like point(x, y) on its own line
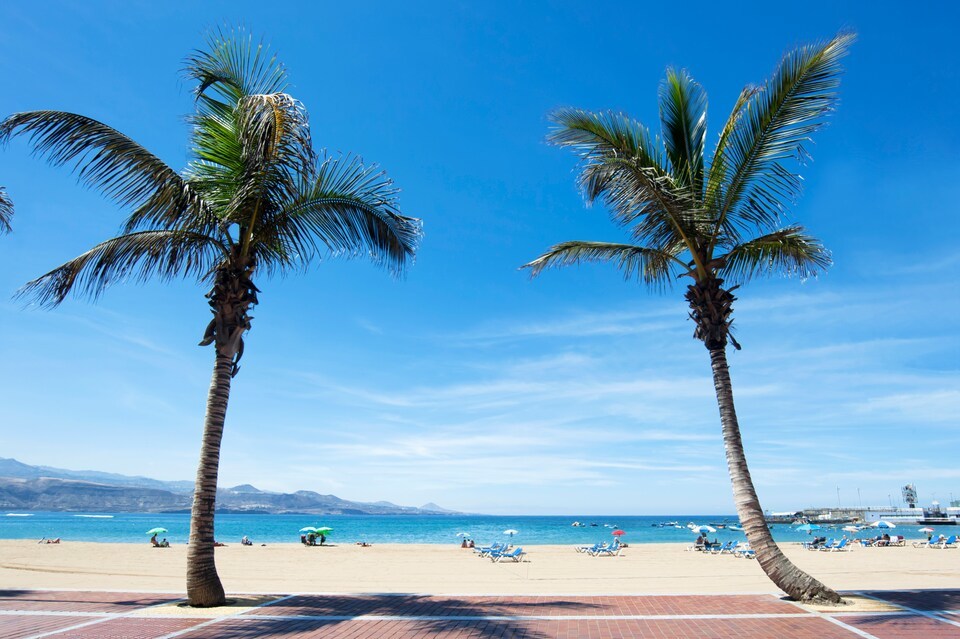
point(738, 549)
point(601, 549)
point(947, 542)
point(497, 552)
point(829, 545)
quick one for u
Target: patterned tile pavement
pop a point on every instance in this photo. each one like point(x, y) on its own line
point(28, 614)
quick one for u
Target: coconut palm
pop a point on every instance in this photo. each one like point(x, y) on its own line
point(719, 225)
point(254, 199)
point(6, 211)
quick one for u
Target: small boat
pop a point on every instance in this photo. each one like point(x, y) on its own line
point(19, 514)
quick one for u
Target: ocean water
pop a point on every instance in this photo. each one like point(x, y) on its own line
point(404, 529)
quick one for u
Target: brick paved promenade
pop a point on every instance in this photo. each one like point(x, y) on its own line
point(116, 615)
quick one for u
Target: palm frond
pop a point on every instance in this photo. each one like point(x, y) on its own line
point(788, 251)
point(234, 66)
point(138, 256)
point(624, 165)
point(718, 167)
point(6, 211)
point(344, 209)
point(107, 160)
point(650, 266)
point(778, 120)
point(598, 139)
point(683, 115)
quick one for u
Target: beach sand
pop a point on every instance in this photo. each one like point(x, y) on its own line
point(394, 568)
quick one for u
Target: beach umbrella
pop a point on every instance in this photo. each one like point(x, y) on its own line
point(925, 529)
point(510, 531)
point(618, 532)
point(883, 524)
point(156, 531)
point(808, 527)
point(308, 529)
point(851, 529)
point(463, 534)
point(703, 529)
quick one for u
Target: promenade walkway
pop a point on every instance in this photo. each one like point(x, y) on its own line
point(37, 614)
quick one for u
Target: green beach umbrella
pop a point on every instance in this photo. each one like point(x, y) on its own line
point(156, 531)
point(326, 530)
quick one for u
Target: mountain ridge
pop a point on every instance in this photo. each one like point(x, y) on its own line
point(26, 487)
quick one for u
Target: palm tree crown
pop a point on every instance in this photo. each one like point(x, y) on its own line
point(685, 217)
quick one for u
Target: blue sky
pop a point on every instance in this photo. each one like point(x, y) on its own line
point(466, 383)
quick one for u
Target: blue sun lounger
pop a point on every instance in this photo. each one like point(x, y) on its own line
point(611, 551)
point(514, 555)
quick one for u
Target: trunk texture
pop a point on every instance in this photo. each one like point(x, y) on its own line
point(203, 583)
point(232, 297)
point(711, 309)
point(781, 571)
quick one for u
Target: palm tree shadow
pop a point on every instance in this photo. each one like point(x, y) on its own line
point(426, 613)
point(932, 601)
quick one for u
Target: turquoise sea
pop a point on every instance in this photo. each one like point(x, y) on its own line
point(404, 529)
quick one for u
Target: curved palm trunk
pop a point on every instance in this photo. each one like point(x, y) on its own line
point(232, 297)
point(781, 571)
point(203, 583)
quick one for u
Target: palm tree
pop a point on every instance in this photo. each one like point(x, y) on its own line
point(720, 225)
point(6, 211)
point(255, 198)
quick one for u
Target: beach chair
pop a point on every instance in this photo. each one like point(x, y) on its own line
point(923, 544)
point(488, 550)
point(611, 551)
point(722, 548)
point(514, 555)
point(744, 551)
point(837, 547)
point(949, 542)
point(590, 549)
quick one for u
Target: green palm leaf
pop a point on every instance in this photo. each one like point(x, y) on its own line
point(107, 160)
point(138, 256)
point(683, 114)
point(776, 123)
point(6, 211)
point(233, 66)
point(621, 163)
point(344, 209)
point(790, 251)
point(651, 266)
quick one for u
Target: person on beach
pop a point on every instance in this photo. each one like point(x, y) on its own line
point(311, 539)
point(164, 543)
point(154, 542)
point(322, 538)
point(700, 543)
point(246, 541)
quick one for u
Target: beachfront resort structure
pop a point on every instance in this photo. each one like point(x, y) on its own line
point(910, 513)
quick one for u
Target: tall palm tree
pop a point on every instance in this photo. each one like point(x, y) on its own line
point(6, 211)
point(718, 225)
point(254, 199)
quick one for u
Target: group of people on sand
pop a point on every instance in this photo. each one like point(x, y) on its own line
point(703, 543)
point(310, 539)
point(467, 543)
point(159, 544)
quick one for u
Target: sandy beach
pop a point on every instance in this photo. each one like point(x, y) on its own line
point(393, 568)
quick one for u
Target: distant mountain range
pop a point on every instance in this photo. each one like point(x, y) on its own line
point(25, 487)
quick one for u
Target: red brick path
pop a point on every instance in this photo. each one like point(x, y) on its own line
point(112, 615)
